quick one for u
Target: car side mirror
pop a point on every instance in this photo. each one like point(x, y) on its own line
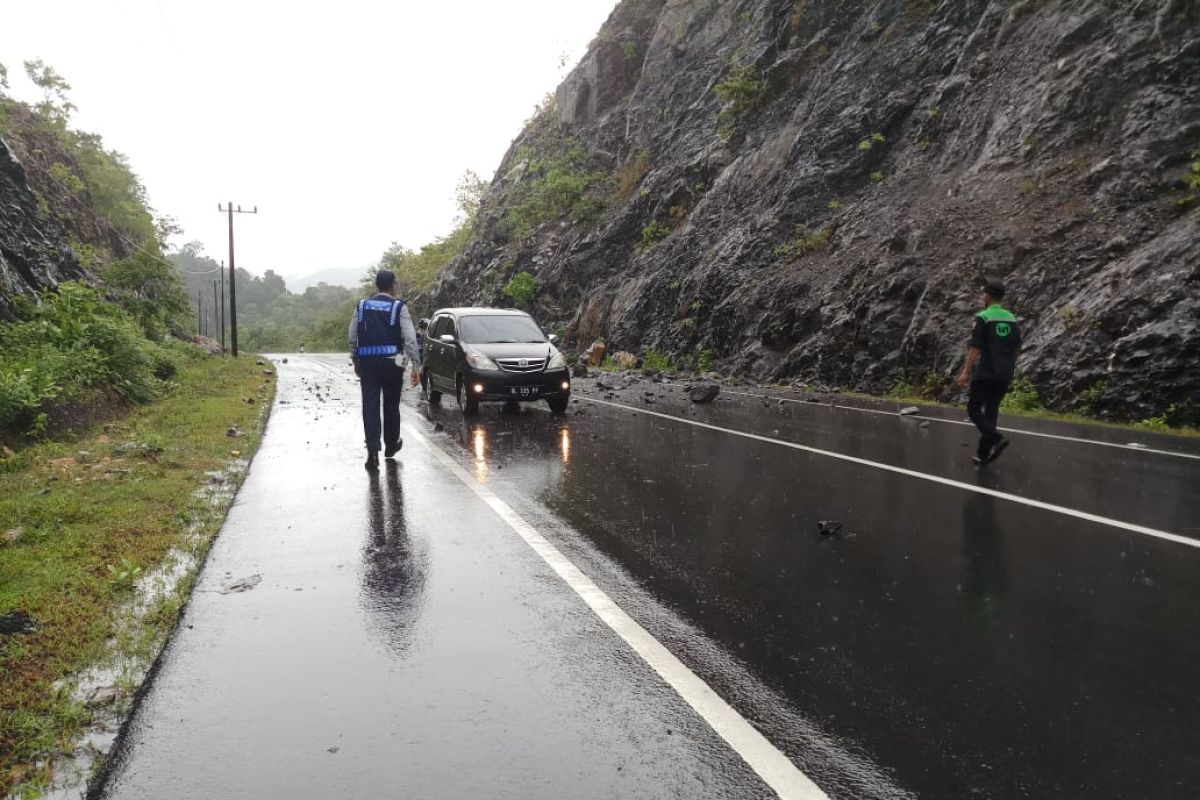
point(554, 338)
point(448, 338)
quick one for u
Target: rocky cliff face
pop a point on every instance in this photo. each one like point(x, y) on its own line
point(812, 189)
point(33, 253)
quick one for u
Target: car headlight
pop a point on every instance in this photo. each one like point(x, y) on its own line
point(557, 361)
point(480, 361)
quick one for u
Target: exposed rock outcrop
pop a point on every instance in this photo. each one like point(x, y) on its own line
point(33, 251)
point(812, 189)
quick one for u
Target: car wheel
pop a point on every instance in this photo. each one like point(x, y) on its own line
point(558, 404)
point(468, 404)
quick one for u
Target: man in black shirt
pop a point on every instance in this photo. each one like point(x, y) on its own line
point(991, 359)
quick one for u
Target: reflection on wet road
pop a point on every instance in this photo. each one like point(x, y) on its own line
point(394, 564)
point(938, 643)
point(969, 644)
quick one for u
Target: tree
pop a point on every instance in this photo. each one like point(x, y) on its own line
point(3, 77)
point(469, 196)
point(54, 89)
point(150, 289)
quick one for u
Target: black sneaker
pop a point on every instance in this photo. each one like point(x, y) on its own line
point(372, 464)
point(978, 461)
point(392, 449)
point(996, 450)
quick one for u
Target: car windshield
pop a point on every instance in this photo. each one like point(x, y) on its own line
point(499, 329)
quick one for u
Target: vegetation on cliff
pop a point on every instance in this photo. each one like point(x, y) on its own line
point(78, 352)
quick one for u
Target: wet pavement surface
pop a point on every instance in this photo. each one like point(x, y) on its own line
point(401, 641)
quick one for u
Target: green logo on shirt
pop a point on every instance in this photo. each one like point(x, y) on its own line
point(1003, 329)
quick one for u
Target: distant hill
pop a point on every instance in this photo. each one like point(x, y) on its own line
point(349, 277)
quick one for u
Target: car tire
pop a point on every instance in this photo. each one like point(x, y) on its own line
point(468, 404)
point(558, 405)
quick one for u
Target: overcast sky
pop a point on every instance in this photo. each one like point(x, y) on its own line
point(348, 123)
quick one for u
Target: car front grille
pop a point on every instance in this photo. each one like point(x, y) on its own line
point(521, 364)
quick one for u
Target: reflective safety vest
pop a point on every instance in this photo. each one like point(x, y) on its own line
point(379, 327)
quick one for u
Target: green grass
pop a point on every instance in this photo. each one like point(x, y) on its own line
point(80, 519)
point(803, 243)
point(908, 393)
point(657, 359)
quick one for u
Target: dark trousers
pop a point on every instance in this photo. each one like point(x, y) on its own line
point(983, 407)
point(380, 377)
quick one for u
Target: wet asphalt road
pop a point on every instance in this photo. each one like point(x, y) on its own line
point(404, 642)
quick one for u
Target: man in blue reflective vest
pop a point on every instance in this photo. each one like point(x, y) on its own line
point(380, 331)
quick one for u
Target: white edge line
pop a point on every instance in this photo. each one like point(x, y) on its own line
point(1022, 431)
point(775, 768)
point(1113, 523)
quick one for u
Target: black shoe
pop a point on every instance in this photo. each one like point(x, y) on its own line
point(978, 461)
point(373, 461)
point(996, 450)
point(392, 449)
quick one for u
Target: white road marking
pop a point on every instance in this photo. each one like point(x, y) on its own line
point(775, 768)
point(1139, 448)
point(1112, 523)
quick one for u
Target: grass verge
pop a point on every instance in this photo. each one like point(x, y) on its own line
point(1035, 412)
point(83, 523)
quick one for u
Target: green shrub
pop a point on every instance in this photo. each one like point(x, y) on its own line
point(630, 175)
point(740, 93)
point(1191, 181)
point(925, 386)
point(654, 233)
point(706, 359)
point(875, 138)
point(150, 289)
point(1160, 423)
point(71, 344)
point(1069, 316)
point(806, 242)
point(556, 181)
point(656, 359)
point(522, 288)
point(1022, 396)
point(164, 364)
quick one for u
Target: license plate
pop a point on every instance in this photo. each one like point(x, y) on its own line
point(523, 391)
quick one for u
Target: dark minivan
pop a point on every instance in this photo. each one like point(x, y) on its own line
point(493, 354)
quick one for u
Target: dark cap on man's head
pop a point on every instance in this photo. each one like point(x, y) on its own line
point(385, 279)
point(993, 287)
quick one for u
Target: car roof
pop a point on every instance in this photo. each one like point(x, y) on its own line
point(480, 311)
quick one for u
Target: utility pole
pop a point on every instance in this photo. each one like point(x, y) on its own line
point(199, 312)
point(216, 316)
point(232, 279)
point(221, 272)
